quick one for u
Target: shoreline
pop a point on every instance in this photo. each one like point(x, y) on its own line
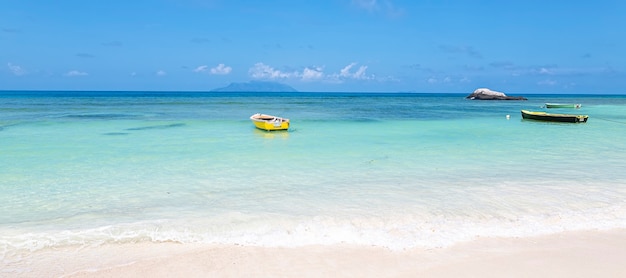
point(568, 254)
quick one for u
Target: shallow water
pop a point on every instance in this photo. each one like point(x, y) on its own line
point(393, 170)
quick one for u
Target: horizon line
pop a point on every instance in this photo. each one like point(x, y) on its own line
point(294, 92)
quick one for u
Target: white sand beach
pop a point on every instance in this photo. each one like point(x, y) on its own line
point(572, 254)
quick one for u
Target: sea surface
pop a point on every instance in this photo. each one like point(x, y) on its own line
point(399, 171)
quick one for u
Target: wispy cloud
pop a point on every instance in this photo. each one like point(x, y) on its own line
point(358, 74)
point(313, 73)
point(74, 73)
point(10, 30)
point(544, 71)
point(160, 73)
point(448, 80)
point(221, 69)
point(414, 66)
point(373, 6)
point(518, 70)
point(554, 70)
point(273, 46)
point(565, 71)
point(551, 75)
point(16, 70)
point(202, 68)
point(503, 65)
point(420, 68)
point(466, 50)
point(445, 79)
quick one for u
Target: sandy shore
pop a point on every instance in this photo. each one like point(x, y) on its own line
point(580, 254)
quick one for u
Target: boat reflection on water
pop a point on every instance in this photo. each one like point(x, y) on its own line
point(279, 134)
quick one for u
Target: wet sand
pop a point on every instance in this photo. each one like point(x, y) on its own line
point(572, 254)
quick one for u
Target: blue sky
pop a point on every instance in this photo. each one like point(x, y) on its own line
point(527, 46)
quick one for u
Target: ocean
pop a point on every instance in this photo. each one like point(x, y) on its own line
point(396, 170)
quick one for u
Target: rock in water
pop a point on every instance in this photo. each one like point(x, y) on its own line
point(487, 94)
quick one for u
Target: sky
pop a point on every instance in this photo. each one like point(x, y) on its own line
point(427, 46)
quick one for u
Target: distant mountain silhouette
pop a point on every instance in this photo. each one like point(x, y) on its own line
point(256, 86)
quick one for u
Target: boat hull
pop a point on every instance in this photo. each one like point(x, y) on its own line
point(269, 122)
point(564, 118)
point(562, 105)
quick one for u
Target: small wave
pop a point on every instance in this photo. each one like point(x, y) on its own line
point(365, 120)
point(100, 116)
point(156, 126)
point(395, 232)
point(4, 126)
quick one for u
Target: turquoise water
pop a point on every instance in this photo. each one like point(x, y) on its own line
point(392, 170)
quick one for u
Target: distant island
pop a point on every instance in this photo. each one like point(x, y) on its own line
point(256, 86)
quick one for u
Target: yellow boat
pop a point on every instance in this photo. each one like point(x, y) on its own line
point(269, 122)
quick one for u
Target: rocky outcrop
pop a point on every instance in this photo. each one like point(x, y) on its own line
point(487, 94)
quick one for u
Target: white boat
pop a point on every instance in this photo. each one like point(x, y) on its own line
point(269, 122)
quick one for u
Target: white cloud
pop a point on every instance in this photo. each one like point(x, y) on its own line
point(345, 72)
point(545, 71)
point(161, 73)
point(312, 73)
point(263, 71)
point(432, 80)
point(221, 69)
point(76, 73)
point(202, 68)
point(16, 70)
point(359, 74)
